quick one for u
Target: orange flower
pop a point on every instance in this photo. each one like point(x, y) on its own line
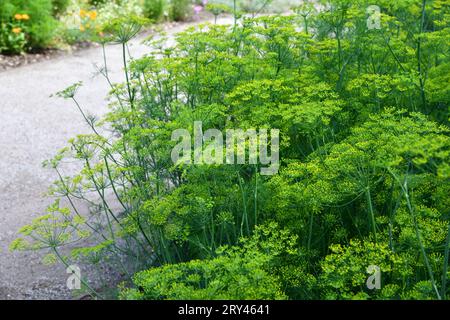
point(19, 16)
point(16, 30)
point(93, 15)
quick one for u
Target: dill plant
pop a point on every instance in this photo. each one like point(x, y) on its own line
point(364, 178)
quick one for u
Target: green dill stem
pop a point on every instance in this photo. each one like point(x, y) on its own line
point(311, 221)
point(108, 212)
point(256, 196)
point(124, 56)
point(445, 269)
point(372, 214)
point(419, 56)
point(85, 117)
point(244, 217)
point(235, 13)
point(81, 279)
point(404, 187)
point(106, 75)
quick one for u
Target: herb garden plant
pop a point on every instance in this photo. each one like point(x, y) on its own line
point(364, 180)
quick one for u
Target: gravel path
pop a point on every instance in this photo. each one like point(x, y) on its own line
point(33, 127)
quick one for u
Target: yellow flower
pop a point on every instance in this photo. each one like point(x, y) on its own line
point(83, 13)
point(19, 16)
point(82, 29)
point(93, 15)
point(16, 30)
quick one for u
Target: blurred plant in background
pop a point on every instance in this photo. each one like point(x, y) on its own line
point(155, 9)
point(217, 9)
point(58, 23)
point(26, 25)
point(84, 20)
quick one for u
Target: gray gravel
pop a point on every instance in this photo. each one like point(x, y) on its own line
point(33, 126)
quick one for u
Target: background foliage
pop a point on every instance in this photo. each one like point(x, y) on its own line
point(25, 25)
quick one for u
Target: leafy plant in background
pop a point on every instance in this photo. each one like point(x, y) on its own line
point(111, 10)
point(60, 6)
point(180, 10)
point(217, 9)
point(155, 9)
point(12, 35)
point(254, 6)
point(364, 178)
point(35, 31)
point(85, 20)
point(58, 23)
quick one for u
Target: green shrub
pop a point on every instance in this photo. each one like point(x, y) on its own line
point(180, 10)
point(345, 271)
point(36, 30)
point(60, 6)
point(12, 38)
point(235, 274)
point(112, 10)
point(154, 9)
point(231, 276)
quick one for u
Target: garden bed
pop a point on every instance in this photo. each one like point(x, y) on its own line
point(32, 32)
point(8, 62)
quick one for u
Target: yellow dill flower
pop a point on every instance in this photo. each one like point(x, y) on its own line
point(18, 16)
point(17, 30)
point(25, 17)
